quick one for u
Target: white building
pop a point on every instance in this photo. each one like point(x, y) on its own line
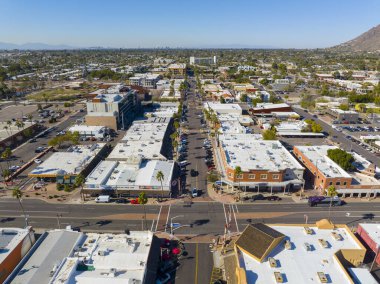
point(202, 60)
point(131, 179)
point(143, 139)
point(146, 80)
point(220, 108)
point(63, 167)
point(90, 131)
point(14, 245)
point(299, 254)
point(66, 256)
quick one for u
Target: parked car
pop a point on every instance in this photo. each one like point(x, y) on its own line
point(274, 198)
point(14, 168)
point(39, 149)
point(38, 161)
point(194, 192)
point(122, 200)
point(258, 197)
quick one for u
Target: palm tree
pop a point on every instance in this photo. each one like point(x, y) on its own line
point(160, 177)
point(9, 123)
point(79, 181)
point(237, 173)
point(17, 193)
point(30, 116)
point(331, 192)
point(142, 199)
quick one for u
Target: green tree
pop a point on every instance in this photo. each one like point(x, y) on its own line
point(344, 107)
point(237, 172)
point(342, 158)
point(160, 177)
point(269, 134)
point(244, 98)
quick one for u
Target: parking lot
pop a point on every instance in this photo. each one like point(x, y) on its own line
point(9, 112)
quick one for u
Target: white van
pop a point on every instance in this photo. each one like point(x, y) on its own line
point(102, 199)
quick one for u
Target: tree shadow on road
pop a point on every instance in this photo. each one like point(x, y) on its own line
point(200, 222)
point(103, 222)
point(8, 219)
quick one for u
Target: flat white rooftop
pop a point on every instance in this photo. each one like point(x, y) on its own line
point(340, 111)
point(263, 106)
point(373, 231)
point(108, 258)
point(10, 238)
point(223, 108)
point(71, 162)
point(318, 156)
point(252, 154)
point(297, 265)
point(113, 175)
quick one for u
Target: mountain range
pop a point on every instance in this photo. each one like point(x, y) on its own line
point(33, 46)
point(368, 41)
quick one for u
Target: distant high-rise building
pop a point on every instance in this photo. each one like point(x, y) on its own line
point(203, 60)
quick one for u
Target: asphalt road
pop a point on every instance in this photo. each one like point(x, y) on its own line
point(340, 138)
point(196, 267)
point(195, 153)
point(201, 218)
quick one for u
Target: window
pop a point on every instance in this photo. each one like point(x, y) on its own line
point(338, 183)
point(263, 176)
point(344, 183)
point(251, 176)
point(276, 176)
point(330, 183)
point(230, 174)
point(239, 176)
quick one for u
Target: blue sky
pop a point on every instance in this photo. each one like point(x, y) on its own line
point(194, 23)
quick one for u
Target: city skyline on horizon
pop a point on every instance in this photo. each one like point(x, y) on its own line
point(178, 25)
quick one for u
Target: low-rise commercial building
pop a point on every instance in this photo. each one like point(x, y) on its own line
point(90, 131)
point(64, 167)
point(267, 108)
point(146, 80)
point(321, 253)
point(343, 116)
point(148, 139)
point(14, 245)
point(65, 256)
point(265, 165)
point(325, 170)
point(220, 108)
point(177, 69)
point(370, 235)
point(125, 178)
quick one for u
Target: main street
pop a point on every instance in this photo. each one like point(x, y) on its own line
point(195, 153)
point(200, 218)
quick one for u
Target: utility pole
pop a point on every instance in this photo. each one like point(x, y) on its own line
point(58, 221)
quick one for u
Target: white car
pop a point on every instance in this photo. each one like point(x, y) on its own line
point(38, 161)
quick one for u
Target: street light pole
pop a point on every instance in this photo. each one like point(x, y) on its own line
point(58, 221)
point(171, 222)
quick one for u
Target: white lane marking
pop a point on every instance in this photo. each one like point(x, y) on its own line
point(167, 219)
point(225, 215)
point(158, 218)
point(237, 226)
